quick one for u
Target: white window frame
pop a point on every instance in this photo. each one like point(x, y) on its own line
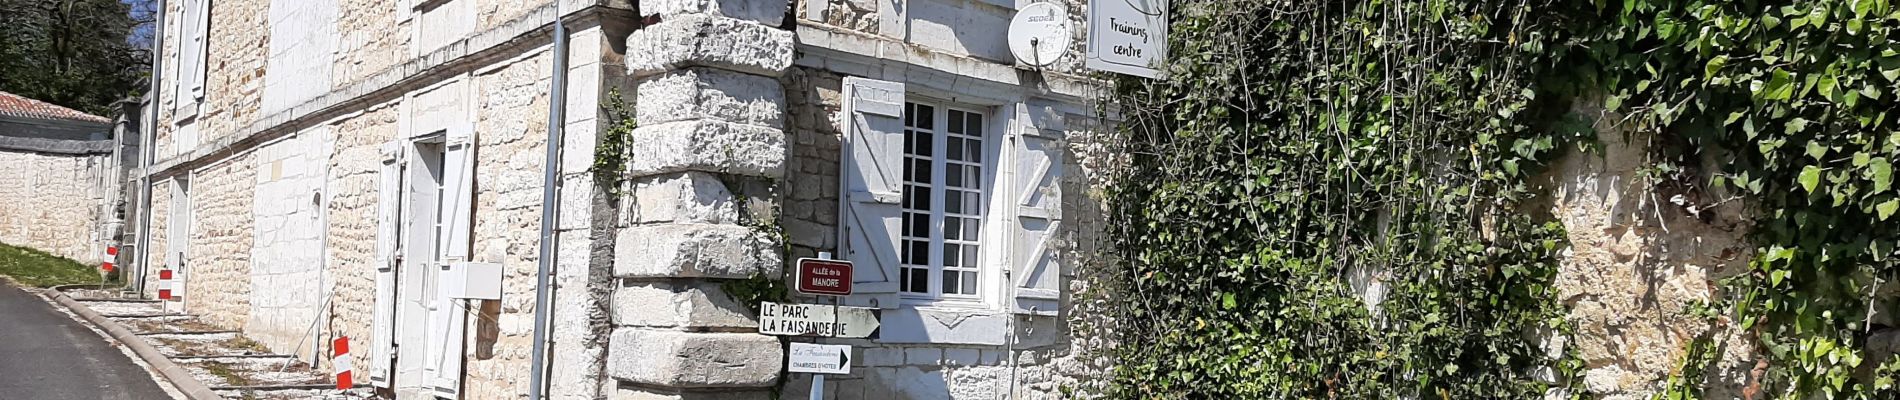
point(986, 267)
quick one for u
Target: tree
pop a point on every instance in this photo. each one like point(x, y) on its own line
point(74, 53)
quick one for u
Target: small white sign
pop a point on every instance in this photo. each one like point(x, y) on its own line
point(819, 358)
point(1128, 36)
point(817, 320)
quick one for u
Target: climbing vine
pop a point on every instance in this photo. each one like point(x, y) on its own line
point(1790, 99)
point(1321, 204)
point(1327, 199)
point(610, 155)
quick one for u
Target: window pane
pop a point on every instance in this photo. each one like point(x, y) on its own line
point(924, 144)
point(970, 175)
point(956, 121)
point(973, 149)
point(920, 252)
point(950, 254)
point(969, 282)
point(903, 279)
point(970, 231)
point(954, 179)
point(975, 125)
point(920, 281)
point(969, 203)
point(926, 117)
point(953, 201)
point(951, 280)
point(952, 229)
point(969, 256)
point(922, 168)
point(954, 147)
point(918, 226)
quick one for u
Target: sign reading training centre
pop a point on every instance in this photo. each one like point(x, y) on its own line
point(817, 320)
point(1128, 36)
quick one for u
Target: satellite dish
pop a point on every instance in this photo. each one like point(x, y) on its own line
point(1039, 34)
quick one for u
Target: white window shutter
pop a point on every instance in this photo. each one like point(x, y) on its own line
point(201, 19)
point(388, 219)
point(1036, 269)
point(872, 169)
point(458, 166)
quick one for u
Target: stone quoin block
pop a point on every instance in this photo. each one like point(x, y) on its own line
point(639, 393)
point(694, 251)
point(710, 146)
point(762, 11)
point(706, 93)
point(679, 304)
point(688, 40)
point(686, 197)
point(694, 360)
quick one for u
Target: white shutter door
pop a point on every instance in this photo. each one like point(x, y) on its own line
point(201, 25)
point(458, 179)
point(873, 187)
point(1036, 272)
point(388, 218)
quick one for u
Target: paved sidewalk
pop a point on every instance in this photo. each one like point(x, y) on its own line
point(46, 355)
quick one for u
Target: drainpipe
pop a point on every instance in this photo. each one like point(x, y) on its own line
point(147, 138)
point(550, 187)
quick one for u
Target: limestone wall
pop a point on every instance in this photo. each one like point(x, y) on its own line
point(511, 130)
point(350, 225)
point(234, 72)
point(158, 234)
point(1644, 250)
point(223, 227)
point(53, 202)
point(287, 276)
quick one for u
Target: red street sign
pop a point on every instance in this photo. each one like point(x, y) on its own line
point(824, 277)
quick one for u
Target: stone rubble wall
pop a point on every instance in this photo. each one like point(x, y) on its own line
point(234, 75)
point(53, 202)
point(158, 234)
point(218, 273)
point(1643, 254)
point(355, 168)
point(371, 39)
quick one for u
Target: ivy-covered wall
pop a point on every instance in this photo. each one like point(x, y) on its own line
point(1511, 199)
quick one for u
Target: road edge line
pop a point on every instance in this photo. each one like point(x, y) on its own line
point(178, 376)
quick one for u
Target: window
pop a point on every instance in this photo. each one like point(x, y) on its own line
point(190, 73)
point(943, 199)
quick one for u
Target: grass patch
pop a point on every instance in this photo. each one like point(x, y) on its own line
point(36, 268)
point(223, 371)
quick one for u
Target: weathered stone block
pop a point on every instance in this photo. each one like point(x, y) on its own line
point(684, 305)
point(687, 197)
point(763, 11)
point(638, 393)
point(694, 251)
point(706, 93)
point(710, 146)
point(694, 360)
point(686, 40)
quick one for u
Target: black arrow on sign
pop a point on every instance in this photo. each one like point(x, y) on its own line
point(844, 357)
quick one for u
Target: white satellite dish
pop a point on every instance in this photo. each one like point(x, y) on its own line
point(1039, 34)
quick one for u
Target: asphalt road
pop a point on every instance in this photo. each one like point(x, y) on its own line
point(46, 355)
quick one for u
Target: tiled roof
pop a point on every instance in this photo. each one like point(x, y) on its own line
point(14, 105)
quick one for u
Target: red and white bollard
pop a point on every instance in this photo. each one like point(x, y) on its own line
point(341, 362)
point(166, 287)
point(112, 253)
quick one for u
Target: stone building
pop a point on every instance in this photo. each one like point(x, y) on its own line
point(59, 179)
point(447, 183)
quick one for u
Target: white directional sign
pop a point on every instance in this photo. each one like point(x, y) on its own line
point(1128, 36)
point(819, 358)
point(817, 320)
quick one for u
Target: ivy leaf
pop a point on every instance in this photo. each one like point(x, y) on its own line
point(1795, 125)
point(1714, 65)
point(1780, 86)
point(1227, 301)
point(1886, 209)
point(1882, 172)
point(1816, 150)
point(1810, 177)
